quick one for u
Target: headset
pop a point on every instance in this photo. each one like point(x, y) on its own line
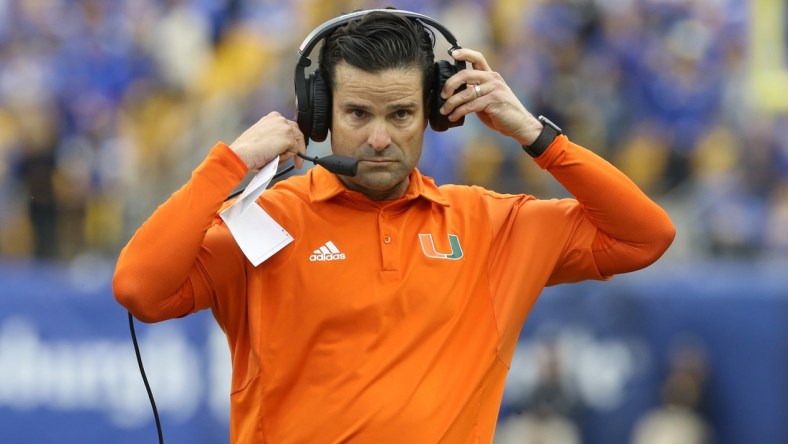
point(313, 95)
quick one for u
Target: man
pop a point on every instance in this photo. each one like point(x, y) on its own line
point(406, 335)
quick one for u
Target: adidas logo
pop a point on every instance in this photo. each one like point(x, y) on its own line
point(328, 252)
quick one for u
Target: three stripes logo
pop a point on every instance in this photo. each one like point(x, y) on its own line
point(328, 252)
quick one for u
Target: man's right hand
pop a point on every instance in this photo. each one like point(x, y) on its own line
point(269, 137)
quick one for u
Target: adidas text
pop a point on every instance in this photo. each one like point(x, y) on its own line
point(327, 257)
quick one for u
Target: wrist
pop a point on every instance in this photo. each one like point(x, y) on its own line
point(544, 139)
point(245, 154)
point(530, 131)
point(240, 155)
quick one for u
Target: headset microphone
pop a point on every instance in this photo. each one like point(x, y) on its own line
point(346, 166)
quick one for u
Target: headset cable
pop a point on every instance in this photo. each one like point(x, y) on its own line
point(145, 379)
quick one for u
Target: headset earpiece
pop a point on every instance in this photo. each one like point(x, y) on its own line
point(439, 122)
point(321, 107)
point(303, 93)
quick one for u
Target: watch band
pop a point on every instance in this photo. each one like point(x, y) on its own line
point(549, 132)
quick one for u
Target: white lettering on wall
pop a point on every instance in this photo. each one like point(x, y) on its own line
point(100, 375)
point(220, 374)
point(595, 370)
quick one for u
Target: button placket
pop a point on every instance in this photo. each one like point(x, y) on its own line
point(388, 248)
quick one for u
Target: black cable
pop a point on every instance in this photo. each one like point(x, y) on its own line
point(145, 379)
point(137, 346)
point(277, 175)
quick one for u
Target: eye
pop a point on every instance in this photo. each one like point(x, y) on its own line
point(402, 114)
point(358, 113)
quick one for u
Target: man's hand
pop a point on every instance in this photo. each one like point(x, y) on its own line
point(488, 95)
point(269, 137)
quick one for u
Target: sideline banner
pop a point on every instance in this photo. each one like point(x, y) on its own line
point(68, 373)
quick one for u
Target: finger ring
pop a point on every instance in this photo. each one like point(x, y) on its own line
point(478, 90)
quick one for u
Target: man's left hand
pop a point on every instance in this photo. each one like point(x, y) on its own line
point(488, 95)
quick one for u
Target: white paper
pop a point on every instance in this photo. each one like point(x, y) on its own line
point(256, 232)
point(257, 185)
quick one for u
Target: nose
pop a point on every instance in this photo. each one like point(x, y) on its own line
point(379, 137)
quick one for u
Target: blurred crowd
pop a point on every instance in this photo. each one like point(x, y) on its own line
point(553, 412)
point(107, 105)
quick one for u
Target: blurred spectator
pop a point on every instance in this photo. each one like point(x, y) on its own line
point(38, 139)
point(547, 415)
point(180, 44)
point(679, 418)
point(776, 232)
point(727, 211)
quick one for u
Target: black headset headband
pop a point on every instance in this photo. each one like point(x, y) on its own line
point(327, 27)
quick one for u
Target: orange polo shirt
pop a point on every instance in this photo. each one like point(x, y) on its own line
point(382, 322)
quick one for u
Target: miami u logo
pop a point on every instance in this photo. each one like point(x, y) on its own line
point(428, 247)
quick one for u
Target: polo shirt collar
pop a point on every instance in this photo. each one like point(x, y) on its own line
point(324, 185)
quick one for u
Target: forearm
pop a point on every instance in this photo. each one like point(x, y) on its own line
point(633, 231)
point(152, 273)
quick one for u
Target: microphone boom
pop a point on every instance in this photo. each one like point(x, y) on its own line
point(344, 165)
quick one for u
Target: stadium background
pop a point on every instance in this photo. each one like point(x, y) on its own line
point(107, 106)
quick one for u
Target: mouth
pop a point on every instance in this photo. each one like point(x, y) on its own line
point(378, 161)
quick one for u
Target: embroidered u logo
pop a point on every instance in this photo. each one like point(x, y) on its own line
point(428, 247)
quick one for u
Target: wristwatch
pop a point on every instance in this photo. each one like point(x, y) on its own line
point(549, 132)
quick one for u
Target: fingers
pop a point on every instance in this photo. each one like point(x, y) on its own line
point(483, 89)
point(475, 75)
point(270, 137)
point(475, 58)
point(477, 78)
point(291, 142)
point(487, 95)
point(299, 144)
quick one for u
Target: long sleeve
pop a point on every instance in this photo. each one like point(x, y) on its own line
point(632, 230)
point(166, 269)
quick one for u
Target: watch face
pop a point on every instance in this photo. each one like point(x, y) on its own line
point(546, 137)
point(548, 122)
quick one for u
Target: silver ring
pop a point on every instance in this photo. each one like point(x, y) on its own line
point(478, 90)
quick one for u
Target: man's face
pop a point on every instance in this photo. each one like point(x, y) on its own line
point(378, 119)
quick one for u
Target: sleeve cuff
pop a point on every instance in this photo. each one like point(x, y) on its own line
point(228, 158)
point(553, 152)
point(220, 172)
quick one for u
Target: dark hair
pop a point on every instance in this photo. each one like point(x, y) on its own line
point(379, 41)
